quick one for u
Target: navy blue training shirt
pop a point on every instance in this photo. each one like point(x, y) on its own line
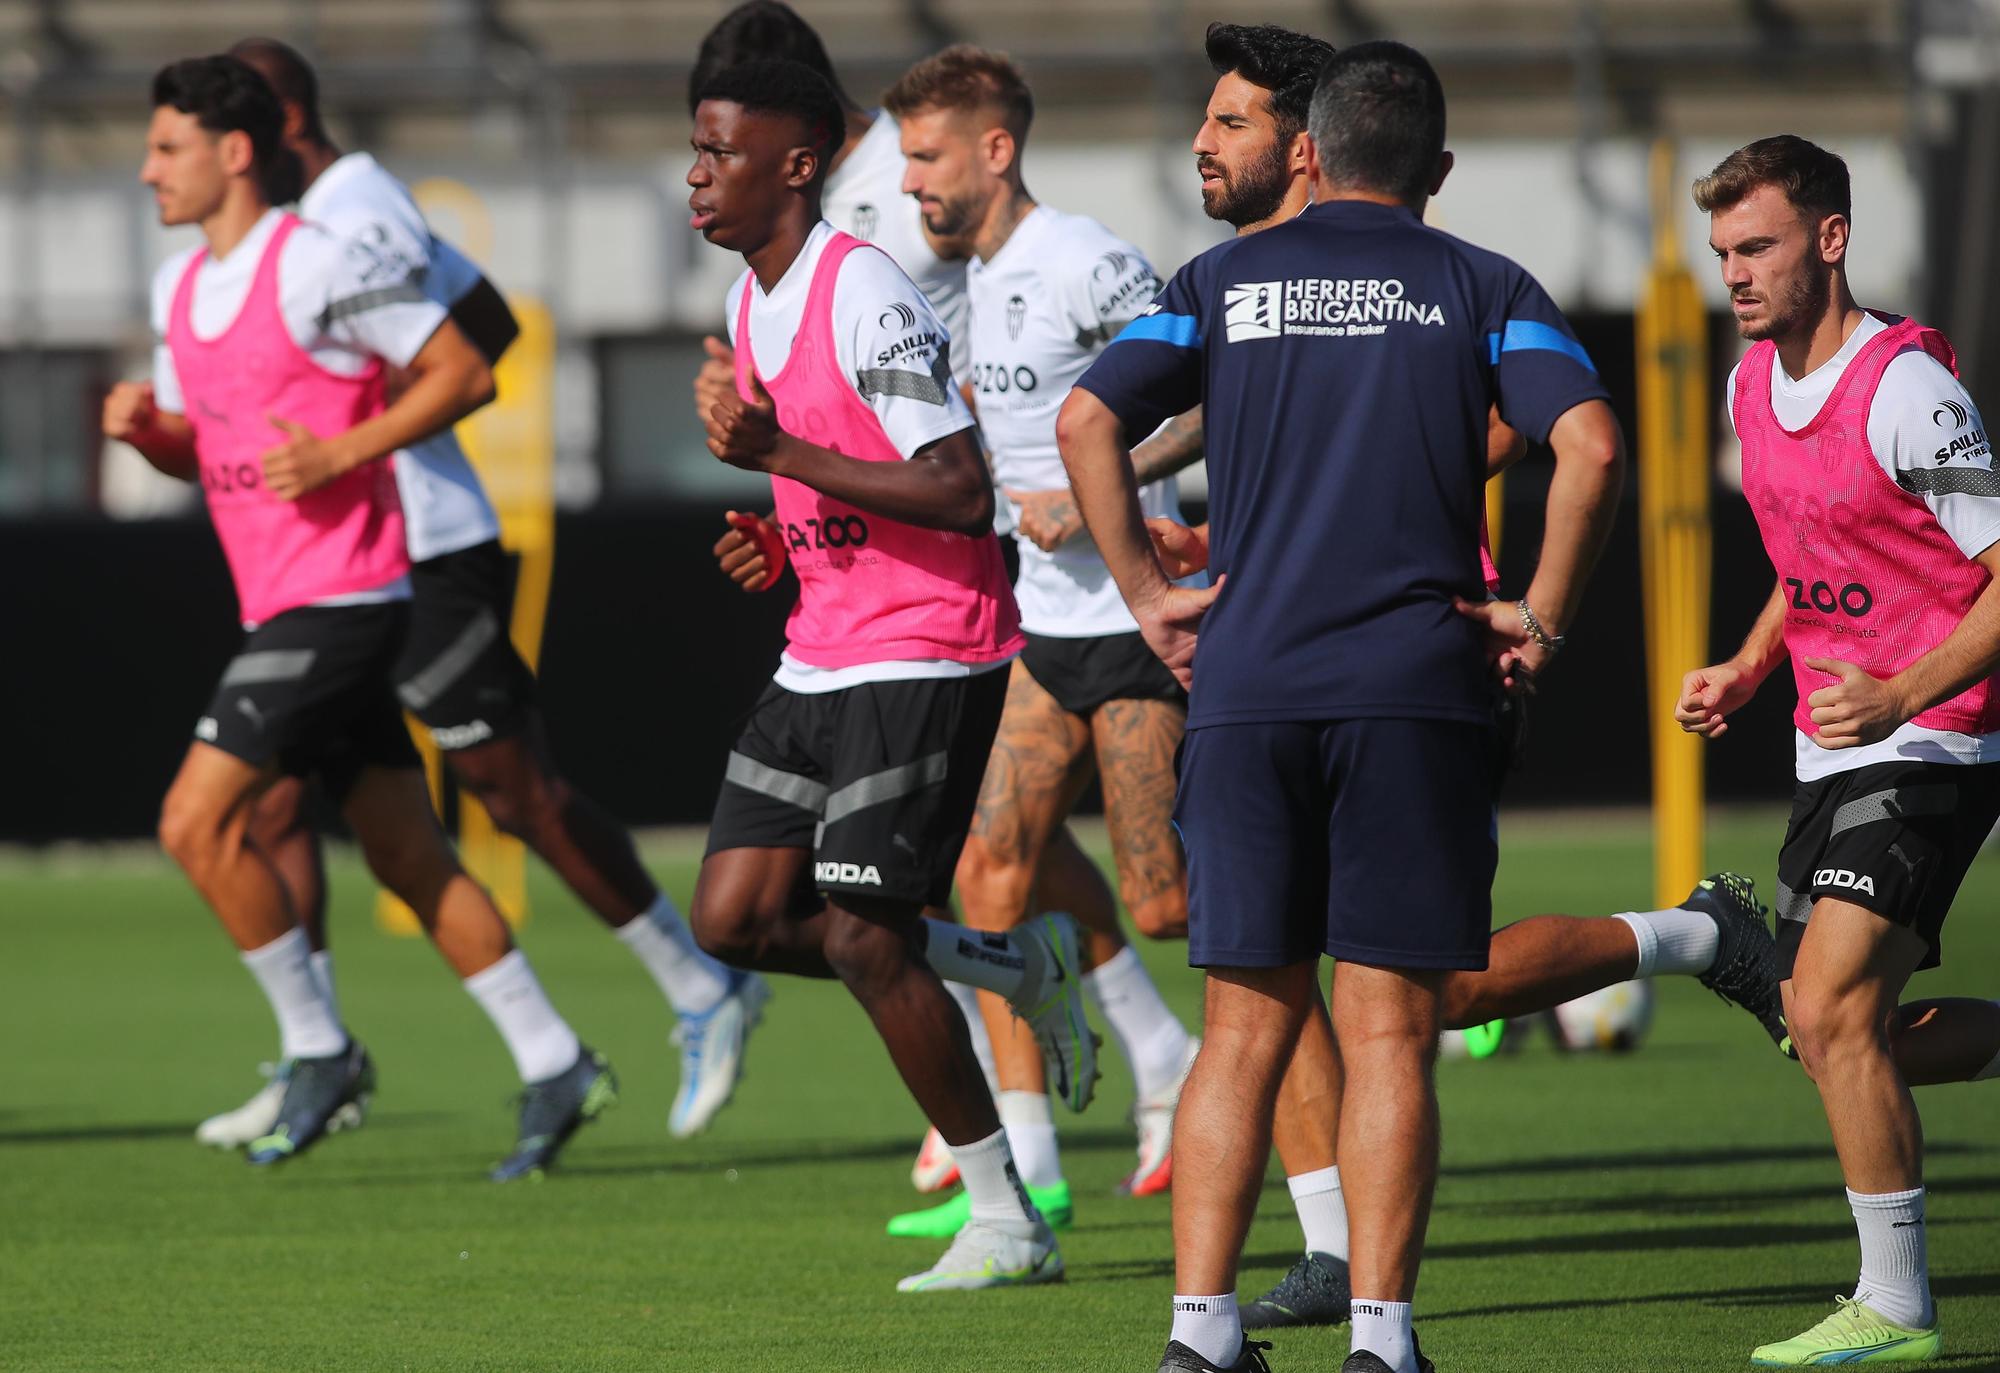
point(1346, 361)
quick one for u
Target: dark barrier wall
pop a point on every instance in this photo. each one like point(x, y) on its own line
point(116, 633)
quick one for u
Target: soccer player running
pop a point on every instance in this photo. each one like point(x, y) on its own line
point(847, 797)
point(458, 671)
point(1047, 291)
point(1871, 477)
point(1336, 782)
point(1251, 151)
point(268, 382)
point(864, 197)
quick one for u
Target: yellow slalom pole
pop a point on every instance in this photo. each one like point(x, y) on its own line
point(1675, 533)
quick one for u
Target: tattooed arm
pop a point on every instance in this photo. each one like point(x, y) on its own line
point(1050, 519)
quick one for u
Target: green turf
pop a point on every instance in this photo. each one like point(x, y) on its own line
point(1662, 1211)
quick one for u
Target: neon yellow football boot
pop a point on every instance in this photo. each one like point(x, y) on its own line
point(1854, 1333)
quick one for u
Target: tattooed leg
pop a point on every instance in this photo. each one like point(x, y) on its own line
point(1068, 879)
point(1039, 765)
point(1135, 755)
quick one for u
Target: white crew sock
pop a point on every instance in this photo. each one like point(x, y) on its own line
point(321, 962)
point(1150, 1036)
point(985, 960)
point(308, 1025)
point(660, 939)
point(1210, 1326)
point(991, 1181)
point(1895, 1271)
point(1383, 1329)
point(1322, 1211)
point(967, 998)
point(1673, 941)
point(539, 1038)
point(1031, 1135)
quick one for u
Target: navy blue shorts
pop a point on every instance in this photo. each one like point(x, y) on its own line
point(1370, 840)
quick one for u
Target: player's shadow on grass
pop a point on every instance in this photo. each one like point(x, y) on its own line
point(1676, 1158)
point(1809, 1293)
point(1699, 1203)
point(99, 1134)
point(1614, 1241)
point(122, 1132)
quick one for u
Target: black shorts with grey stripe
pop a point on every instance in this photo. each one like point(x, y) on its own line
point(1892, 838)
point(310, 691)
point(459, 673)
point(878, 780)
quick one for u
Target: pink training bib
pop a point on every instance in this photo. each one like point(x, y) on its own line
point(1869, 575)
point(871, 589)
point(346, 537)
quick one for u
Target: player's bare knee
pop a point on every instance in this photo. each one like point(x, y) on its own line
point(191, 829)
point(1828, 1026)
point(992, 888)
point(1458, 1003)
point(731, 926)
point(410, 862)
point(864, 953)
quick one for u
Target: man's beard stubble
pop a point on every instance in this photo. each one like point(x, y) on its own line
point(1254, 195)
point(1804, 301)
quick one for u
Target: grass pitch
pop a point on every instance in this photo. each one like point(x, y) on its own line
point(1661, 1211)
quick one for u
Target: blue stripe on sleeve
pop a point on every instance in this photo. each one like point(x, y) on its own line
point(1523, 334)
point(1182, 331)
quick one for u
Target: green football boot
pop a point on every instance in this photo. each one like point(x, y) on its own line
point(1854, 1333)
point(946, 1219)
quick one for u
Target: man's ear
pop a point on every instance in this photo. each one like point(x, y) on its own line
point(1445, 163)
point(238, 152)
point(802, 166)
point(1833, 239)
point(1299, 157)
point(999, 149)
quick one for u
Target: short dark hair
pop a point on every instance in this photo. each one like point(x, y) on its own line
point(1813, 179)
point(759, 30)
point(966, 77)
point(1378, 119)
point(290, 75)
point(1278, 60)
point(787, 88)
point(227, 95)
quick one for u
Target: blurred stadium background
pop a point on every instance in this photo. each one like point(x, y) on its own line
point(548, 138)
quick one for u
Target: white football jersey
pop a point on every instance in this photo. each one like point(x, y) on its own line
point(864, 197)
point(445, 507)
point(1043, 308)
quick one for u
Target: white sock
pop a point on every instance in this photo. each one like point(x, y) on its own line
point(1031, 1135)
point(308, 1025)
point(984, 960)
point(967, 998)
point(321, 962)
point(1383, 1329)
point(539, 1038)
point(1895, 1271)
point(1673, 941)
point(987, 1169)
point(1150, 1036)
point(1322, 1211)
point(659, 938)
point(1210, 1326)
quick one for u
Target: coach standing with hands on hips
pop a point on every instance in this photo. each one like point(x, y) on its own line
point(1334, 791)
